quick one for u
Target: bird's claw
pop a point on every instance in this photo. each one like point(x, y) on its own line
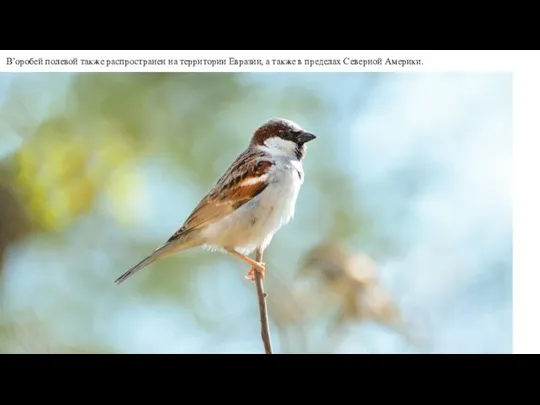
point(251, 273)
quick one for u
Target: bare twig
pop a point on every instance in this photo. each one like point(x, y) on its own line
point(263, 312)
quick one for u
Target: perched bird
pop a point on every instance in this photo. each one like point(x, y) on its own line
point(253, 199)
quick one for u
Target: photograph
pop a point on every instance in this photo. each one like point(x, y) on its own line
point(251, 212)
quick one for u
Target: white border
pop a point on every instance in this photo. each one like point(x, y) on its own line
point(524, 65)
point(526, 202)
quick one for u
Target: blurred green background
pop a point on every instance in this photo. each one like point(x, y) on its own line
point(97, 170)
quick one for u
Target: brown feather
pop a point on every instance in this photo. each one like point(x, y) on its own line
point(230, 191)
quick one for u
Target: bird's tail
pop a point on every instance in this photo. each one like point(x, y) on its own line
point(158, 253)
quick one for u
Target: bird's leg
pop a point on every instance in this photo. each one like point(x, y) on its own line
point(251, 272)
point(254, 264)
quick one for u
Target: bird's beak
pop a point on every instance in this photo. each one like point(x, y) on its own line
point(306, 137)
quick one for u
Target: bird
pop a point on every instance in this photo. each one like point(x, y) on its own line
point(249, 203)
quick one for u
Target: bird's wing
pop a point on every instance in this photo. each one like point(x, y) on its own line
point(246, 178)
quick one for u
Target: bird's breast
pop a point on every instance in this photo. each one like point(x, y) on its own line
point(279, 198)
point(255, 223)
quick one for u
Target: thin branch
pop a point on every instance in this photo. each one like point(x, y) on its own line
point(263, 312)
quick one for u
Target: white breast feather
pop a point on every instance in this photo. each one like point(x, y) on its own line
point(255, 223)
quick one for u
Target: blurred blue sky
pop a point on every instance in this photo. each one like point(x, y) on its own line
point(431, 155)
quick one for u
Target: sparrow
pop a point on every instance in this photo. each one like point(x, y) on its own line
point(250, 202)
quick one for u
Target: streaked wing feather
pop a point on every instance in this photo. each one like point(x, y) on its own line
point(235, 188)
